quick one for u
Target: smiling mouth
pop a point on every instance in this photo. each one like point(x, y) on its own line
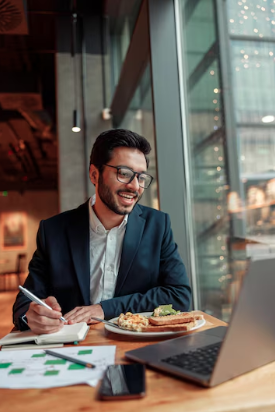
point(128, 196)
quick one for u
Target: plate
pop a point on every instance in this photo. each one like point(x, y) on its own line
point(132, 333)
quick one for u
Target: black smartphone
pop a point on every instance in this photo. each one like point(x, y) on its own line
point(123, 382)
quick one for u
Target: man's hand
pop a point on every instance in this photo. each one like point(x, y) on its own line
point(43, 320)
point(84, 313)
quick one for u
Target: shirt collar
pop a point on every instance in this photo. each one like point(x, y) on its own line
point(95, 223)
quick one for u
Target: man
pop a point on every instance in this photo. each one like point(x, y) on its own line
point(110, 255)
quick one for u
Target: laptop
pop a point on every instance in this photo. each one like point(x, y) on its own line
point(216, 355)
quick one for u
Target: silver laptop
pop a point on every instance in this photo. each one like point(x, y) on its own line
point(216, 355)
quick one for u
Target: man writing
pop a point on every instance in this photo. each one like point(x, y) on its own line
point(110, 255)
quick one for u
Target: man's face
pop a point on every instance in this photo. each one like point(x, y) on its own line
point(119, 197)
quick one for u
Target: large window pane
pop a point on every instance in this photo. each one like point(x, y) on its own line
point(139, 118)
point(229, 225)
point(118, 30)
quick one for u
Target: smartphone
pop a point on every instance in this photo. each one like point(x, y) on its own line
point(123, 382)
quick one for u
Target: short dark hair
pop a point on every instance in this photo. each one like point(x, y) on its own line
point(107, 141)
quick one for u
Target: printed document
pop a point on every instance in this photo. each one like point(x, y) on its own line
point(24, 369)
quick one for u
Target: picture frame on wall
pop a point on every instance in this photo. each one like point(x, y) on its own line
point(13, 230)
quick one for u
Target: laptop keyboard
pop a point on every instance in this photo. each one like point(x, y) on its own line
point(200, 361)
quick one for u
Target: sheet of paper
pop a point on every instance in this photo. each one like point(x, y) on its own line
point(24, 369)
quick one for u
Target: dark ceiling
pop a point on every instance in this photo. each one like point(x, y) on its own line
point(28, 139)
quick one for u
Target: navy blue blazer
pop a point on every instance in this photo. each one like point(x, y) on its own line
point(151, 271)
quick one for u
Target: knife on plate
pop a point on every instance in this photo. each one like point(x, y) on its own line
point(106, 322)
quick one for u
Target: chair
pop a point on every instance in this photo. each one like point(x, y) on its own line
point(20, 261)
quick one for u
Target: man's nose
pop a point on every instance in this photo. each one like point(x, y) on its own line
point(134, 183)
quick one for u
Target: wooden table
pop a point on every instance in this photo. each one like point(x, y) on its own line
point(253, 392)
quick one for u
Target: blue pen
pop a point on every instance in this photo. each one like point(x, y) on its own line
point(35, 299)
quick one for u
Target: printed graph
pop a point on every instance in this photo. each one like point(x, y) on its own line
point(36, 369)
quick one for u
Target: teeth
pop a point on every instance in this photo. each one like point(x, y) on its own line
point(127, 196)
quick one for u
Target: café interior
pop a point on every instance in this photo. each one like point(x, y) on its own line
point(197, 79)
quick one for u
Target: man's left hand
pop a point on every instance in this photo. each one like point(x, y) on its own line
point(84, 313)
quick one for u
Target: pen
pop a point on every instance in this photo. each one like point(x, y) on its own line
point(69, 358)
point(35, 299)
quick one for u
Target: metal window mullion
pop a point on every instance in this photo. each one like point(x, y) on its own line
point(190, 229)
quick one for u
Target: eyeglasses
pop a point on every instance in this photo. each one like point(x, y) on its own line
point(127, 175)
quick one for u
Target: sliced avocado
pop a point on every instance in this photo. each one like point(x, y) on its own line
point(167, 310)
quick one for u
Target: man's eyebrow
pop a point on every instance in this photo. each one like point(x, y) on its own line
point(128, 167)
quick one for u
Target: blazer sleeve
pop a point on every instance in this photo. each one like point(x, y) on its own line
point(173, 284)
point(36, 282)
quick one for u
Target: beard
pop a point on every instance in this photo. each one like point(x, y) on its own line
point(108, 198)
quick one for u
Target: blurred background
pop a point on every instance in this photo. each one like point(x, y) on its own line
point(195, 77)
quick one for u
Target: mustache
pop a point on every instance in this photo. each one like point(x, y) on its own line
point(128, 191)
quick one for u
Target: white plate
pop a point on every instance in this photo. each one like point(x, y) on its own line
point(199, 324)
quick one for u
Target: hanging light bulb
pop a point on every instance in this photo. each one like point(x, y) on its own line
point(76, 122)
point(76, 125)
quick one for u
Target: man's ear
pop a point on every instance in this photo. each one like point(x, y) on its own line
point(94, 174)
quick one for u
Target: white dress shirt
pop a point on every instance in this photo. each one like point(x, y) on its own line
point(105, 254)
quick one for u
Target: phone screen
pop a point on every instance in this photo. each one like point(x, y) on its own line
point(123, 381)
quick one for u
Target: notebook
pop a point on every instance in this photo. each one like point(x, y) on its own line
point(69, 333)
point(216, 355)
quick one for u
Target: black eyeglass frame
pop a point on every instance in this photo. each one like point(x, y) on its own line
point(134, 174)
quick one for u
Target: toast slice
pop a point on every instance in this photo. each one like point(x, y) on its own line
point(181, 318)
point(182, 327)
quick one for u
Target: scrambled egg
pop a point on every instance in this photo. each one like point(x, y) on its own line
point(133, 322)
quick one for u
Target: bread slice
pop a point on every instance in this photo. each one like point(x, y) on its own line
point(182, 327)
point(181, 318)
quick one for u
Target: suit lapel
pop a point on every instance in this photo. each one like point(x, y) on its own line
point(78, 235)
point(132, 238)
